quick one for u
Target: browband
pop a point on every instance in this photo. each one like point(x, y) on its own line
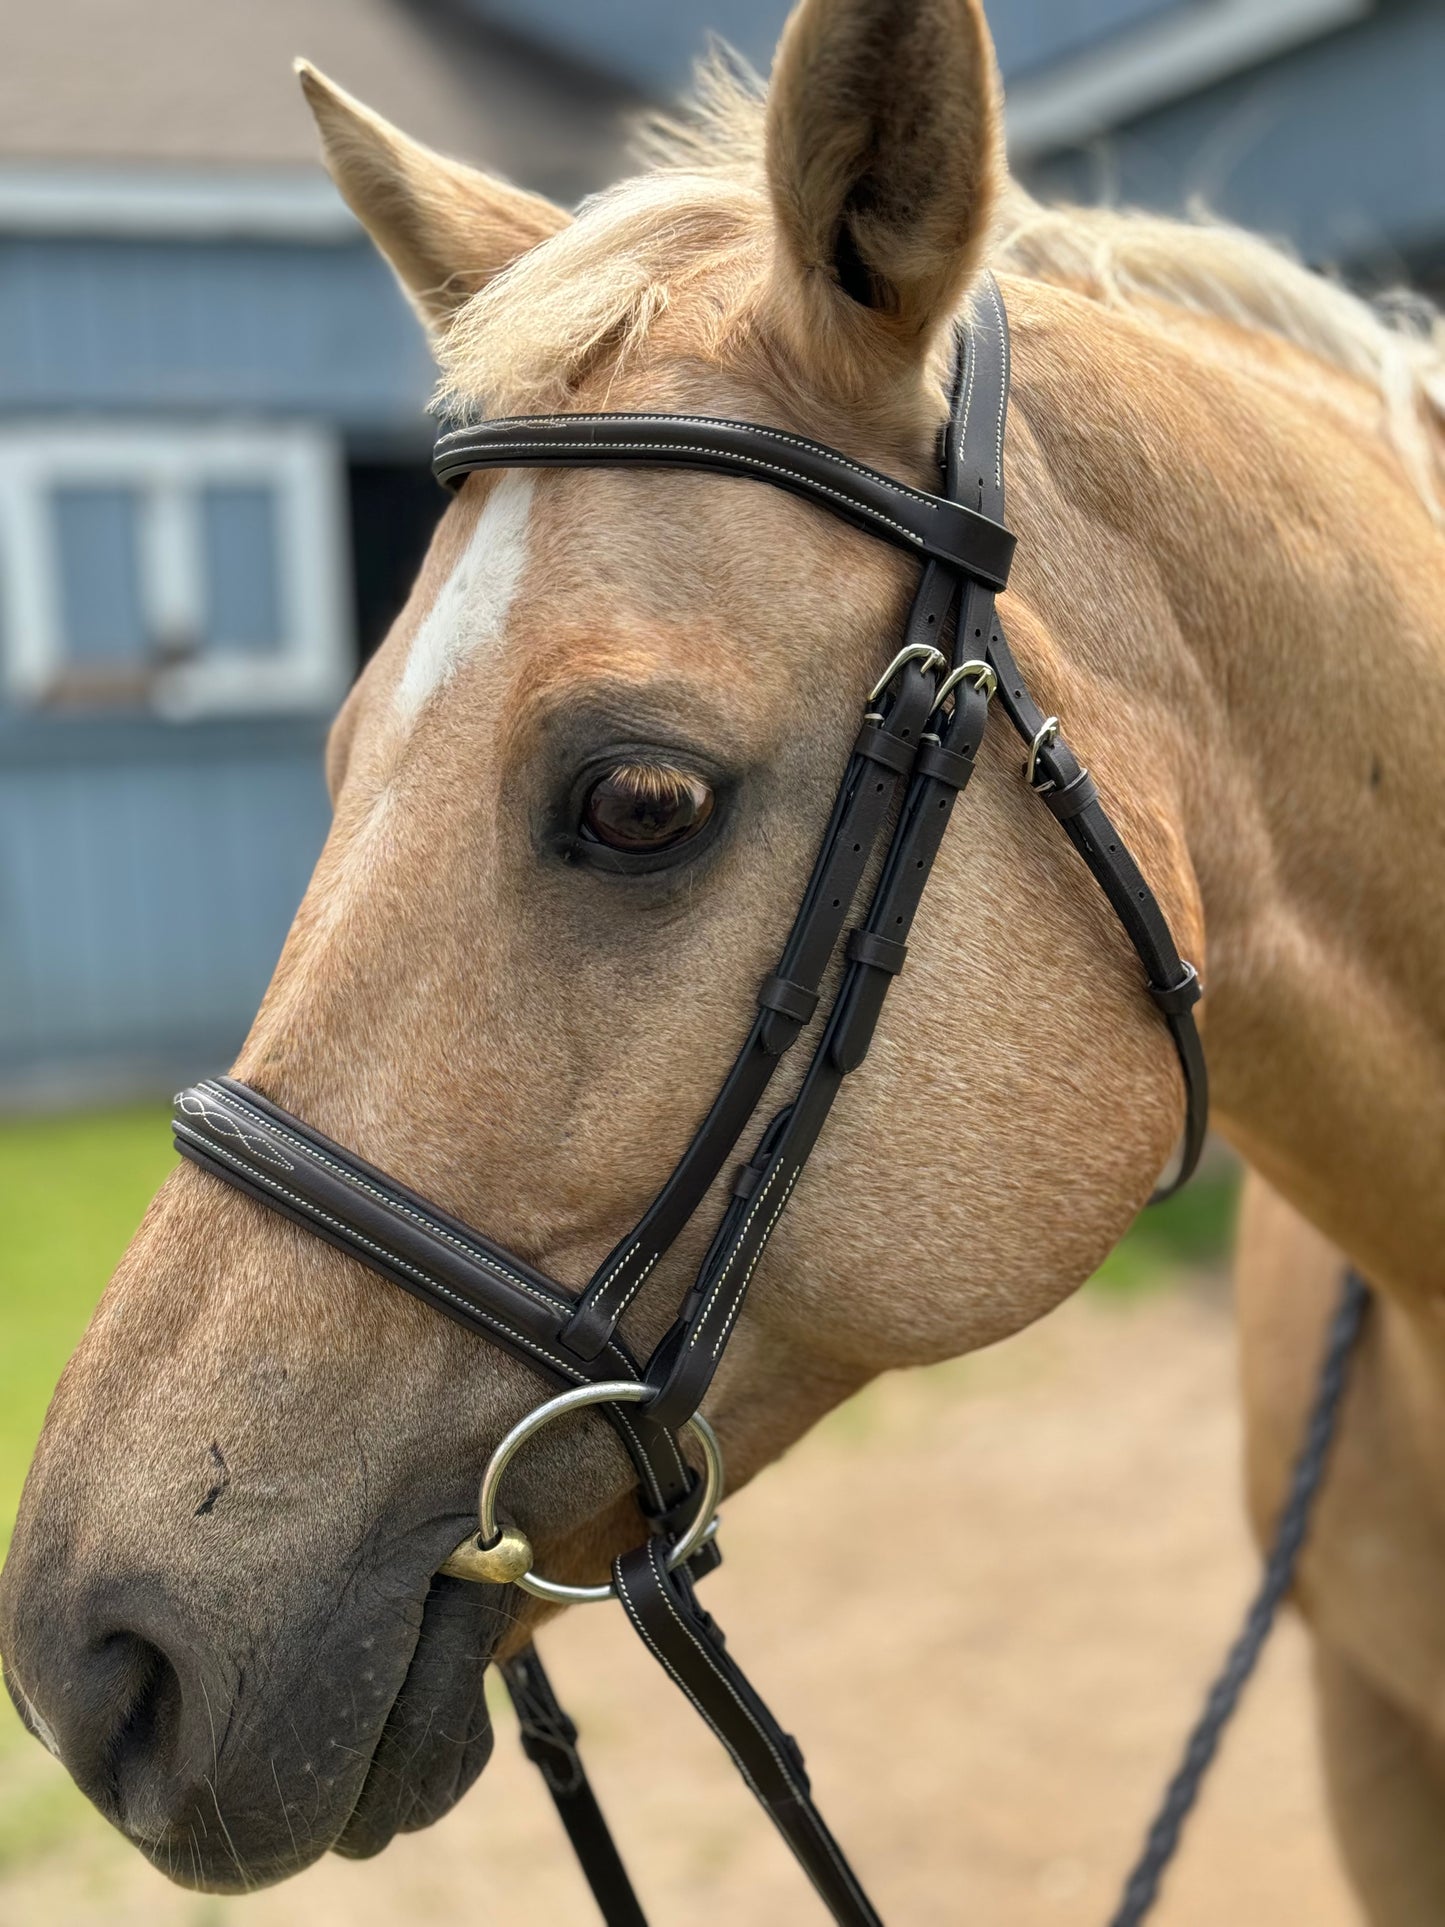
point(929, 525)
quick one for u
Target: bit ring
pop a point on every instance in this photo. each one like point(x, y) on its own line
point(619, 1392)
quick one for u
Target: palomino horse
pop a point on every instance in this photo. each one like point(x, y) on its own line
point(219, 1606)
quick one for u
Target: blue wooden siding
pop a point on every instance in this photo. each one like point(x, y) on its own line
point(276, 328)
point(148, 875)
point(1338, 146)
point(149, 870)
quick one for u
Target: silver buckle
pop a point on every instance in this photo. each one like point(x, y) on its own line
point(980, 674)
point(1047, 732)
point(915, 652)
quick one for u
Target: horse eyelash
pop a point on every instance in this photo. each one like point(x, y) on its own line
point(654, 782)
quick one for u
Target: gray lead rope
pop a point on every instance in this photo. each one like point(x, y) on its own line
point(1162, 1842)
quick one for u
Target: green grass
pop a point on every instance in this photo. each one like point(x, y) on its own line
point(72, 1190)
point(1191, 1232)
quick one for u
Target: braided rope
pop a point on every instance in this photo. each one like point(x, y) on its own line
point(1141, 1889)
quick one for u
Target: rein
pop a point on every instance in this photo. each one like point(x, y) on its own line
point(912, 758)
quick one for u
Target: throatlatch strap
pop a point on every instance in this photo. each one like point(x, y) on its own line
point(1066, 787)
point(549, 1740)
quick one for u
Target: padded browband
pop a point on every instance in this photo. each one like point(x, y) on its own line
point(928, 525)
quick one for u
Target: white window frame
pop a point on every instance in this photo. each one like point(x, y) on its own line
point(168, 466)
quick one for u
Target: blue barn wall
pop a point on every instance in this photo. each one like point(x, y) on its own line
point(235, 326)
point(148, 874)
point(149, 869)
point(1338, 147)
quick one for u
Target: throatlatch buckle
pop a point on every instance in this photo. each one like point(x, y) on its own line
point(1046, 734)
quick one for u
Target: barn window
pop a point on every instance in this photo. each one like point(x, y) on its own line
point(192, 571)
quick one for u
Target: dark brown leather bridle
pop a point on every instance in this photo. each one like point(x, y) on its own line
point(913, 756)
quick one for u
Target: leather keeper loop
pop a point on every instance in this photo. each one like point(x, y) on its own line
point(1076, 796)
point(882, 953)
point(788, 999)
point(1175, 999)
point(746, 1182)
point(671, 1520)
point(944, 765)
point(878, 746)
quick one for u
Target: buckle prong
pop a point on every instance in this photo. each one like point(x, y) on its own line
point(922, 652)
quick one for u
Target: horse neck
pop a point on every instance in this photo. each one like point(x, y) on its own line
point(1287, 586)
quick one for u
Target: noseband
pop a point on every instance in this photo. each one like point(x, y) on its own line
point(913, 756)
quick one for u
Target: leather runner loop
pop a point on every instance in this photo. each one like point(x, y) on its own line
point(1073, 797)
point(878, 746)
point(549, 1740)
point(878, 953)
point(793, 1001)
point(687, 1645)
point(1175, 999)
point(949, 766)
point(951, 532)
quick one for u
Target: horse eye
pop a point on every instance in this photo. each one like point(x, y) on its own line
point(644, 807)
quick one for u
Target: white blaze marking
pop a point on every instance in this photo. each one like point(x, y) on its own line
point(472, 607)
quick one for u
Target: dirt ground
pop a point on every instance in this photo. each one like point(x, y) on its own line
point(988, 1724)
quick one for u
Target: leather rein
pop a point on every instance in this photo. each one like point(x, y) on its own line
point(914, 754)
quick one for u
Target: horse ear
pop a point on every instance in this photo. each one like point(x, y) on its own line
point(445, 228)
point(885, 159)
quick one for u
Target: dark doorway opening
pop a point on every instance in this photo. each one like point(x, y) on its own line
point(394, 508)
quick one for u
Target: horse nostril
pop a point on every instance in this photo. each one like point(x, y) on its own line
point(138, 1753)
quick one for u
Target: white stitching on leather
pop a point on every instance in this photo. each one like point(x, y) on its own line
point(636, 1285)
point(632, 1290)
point(710, 421)
point(427, 1224)
point(968, 394)
point(912, 536)
point(753, 1209)
point(742, 1290)
point(1003, 383)
point(710, 1659)
point(681, 1684)
point(485, 1316)
point(225, 1124)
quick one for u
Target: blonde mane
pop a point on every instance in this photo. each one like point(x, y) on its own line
point(688, 242)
